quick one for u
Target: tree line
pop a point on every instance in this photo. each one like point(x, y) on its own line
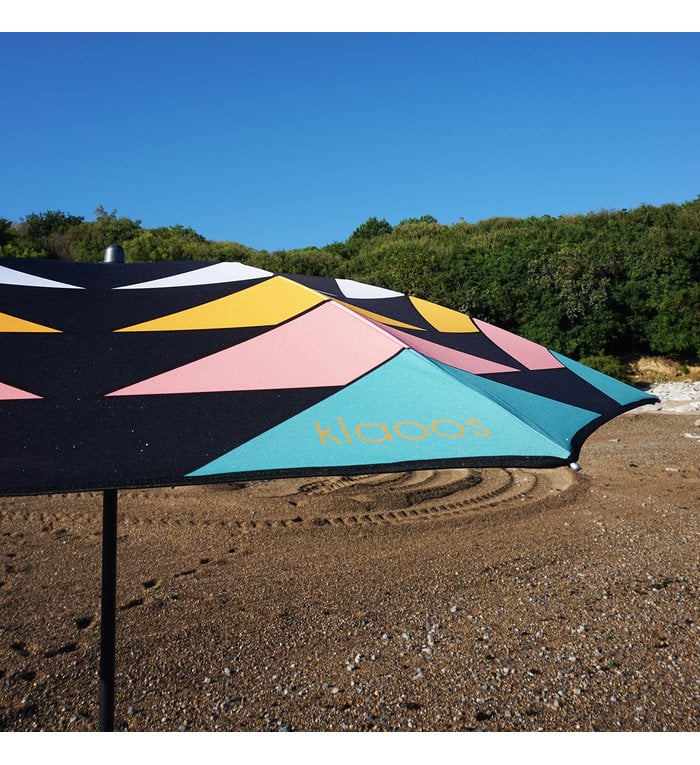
point(598, 287)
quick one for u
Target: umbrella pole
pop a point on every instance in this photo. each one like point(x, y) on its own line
point(108, 612)
point(109, 608)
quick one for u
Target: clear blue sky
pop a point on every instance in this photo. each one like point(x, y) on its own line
point(280, 141)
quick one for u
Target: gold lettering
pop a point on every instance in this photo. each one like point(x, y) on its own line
point(344, 429)
point(476, 426)
point(410, 430)
point(386, 437)
point(398, 432)
point(326, 434)
point(447, 435)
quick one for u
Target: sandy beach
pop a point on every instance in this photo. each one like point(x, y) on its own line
point(459, 600)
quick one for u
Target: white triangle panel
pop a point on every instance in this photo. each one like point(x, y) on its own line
point(215, 274)
point(357, 290)
point(22, 279)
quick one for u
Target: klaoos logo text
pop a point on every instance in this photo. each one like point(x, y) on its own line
point(409, 430)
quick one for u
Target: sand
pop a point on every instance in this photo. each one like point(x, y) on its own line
point(495, 600)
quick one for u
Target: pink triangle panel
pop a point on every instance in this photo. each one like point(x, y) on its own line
point(465, 361)
point(532, 355)
point(9, 392)
point(305, 352)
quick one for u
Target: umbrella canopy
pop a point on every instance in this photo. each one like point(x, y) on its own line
point(153, 374)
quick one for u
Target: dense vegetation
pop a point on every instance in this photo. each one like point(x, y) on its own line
point(609, 284)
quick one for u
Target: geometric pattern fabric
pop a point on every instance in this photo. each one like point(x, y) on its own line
point(151, 374)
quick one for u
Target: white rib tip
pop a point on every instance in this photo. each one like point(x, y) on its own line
point(575, 467)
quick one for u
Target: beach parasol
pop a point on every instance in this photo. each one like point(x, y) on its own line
point(158, 374)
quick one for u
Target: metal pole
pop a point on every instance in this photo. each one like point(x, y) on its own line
point(108, 624)
point(108, 612)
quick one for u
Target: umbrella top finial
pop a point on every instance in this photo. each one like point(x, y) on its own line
point(114, 254)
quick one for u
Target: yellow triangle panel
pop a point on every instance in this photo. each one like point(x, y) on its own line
point(262, 305)
point(13, 324)
point(443, 319)
point(379, 317)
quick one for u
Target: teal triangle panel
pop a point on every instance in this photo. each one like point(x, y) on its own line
point(380, 420)
point(618, 391)
point(558, 421)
